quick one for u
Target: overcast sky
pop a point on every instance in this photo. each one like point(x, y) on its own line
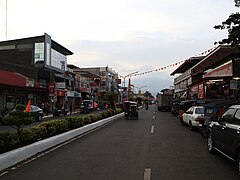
point(126, 35)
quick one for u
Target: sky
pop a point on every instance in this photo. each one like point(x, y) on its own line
point(126, 35)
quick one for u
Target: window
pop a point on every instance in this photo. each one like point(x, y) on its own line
point(190, 111)
point(58, 60)
point(237, 117)
point(228, 115)
point(199, 110)
point(48, 53)
point(38, 53)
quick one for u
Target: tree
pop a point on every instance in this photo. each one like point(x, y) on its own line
point(18, 119)
point(232, 24)
point(111, 97)
point(237, 3)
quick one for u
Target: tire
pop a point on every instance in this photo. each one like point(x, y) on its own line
point(210, 143)
point(39, 118)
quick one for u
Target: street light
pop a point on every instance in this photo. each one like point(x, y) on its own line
point(124, 77)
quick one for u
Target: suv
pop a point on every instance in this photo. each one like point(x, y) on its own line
point(224, 135)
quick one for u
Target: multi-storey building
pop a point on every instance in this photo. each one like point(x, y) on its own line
point(215, 76)
point(184, 79)
point(30, 65)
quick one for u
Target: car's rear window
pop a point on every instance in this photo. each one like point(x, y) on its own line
point(199, 111)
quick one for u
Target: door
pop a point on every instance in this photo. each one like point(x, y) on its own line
point(223, 132)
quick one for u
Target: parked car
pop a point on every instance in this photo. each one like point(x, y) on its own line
point(224, 135)
point(192, 116)
point(184, 106)
point(213, 111)
point(35, 111)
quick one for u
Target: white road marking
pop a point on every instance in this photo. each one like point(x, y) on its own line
point(152, 129)
point(147, 174)
point(153, 117)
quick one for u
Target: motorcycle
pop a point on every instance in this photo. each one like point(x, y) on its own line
point(59, 112)
point(146, 106)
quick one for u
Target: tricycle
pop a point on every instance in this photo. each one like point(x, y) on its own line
point(130, 110)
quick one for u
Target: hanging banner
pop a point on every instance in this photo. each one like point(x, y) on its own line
point(51, 89)
point(201, 91)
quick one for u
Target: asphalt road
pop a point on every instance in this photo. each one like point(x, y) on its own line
point(155, 147)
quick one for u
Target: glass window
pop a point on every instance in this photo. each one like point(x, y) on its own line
point(237, 117)
point(199, 110)
point(38, 53)
point(48, 54)
point(58, 60)
point(190, 110)
point(228, 115)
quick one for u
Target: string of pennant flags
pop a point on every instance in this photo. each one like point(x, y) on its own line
point(171, 65)
point(158, 69)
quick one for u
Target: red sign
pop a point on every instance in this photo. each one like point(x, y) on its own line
point(201, 91)
point(222, 71)
point(51, 88)
point(94, 84)
point(61, 93)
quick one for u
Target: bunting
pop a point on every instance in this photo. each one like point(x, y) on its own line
point(171, 65)
point(158, 69)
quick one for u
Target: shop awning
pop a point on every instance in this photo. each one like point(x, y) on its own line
point(14, 79)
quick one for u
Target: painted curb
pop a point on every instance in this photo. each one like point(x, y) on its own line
point(15, 156)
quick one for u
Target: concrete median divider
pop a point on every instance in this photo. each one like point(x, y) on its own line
point(13, 157)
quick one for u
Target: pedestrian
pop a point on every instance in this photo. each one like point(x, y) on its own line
point(106, 106)
point(95, 105)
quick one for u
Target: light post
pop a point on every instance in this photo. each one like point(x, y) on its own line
point(124, 77)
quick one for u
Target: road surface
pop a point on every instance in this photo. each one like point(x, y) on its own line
point(155, 147)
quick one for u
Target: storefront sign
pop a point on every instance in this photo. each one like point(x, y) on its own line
point(29, 82)
point(194, 92)
point(51, 89)
point(94, 84)
point(87, 90)
point(60, 85)
point(70, 93)
point(77, 95)
point(222, 71)
point(201, 91)
point(61, 93)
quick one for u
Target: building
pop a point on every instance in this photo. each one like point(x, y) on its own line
point(215, 76)
point(184, 78)
point(33, 68)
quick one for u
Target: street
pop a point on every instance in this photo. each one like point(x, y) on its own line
point(155, 147)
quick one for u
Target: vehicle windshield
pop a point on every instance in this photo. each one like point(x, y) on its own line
point(199, 110)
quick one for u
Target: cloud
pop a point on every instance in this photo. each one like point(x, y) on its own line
point(126, 35)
